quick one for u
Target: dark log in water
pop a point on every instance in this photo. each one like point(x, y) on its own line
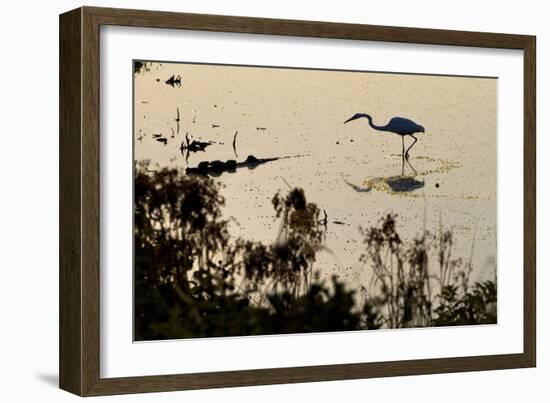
point(217, 167)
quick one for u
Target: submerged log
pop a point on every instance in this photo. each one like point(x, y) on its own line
point(218, 167)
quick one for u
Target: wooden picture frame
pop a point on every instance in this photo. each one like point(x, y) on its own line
point(79, 201)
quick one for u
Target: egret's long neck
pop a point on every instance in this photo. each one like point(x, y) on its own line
point(376, 127)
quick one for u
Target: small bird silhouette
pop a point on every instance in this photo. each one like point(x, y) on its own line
point(401, 126)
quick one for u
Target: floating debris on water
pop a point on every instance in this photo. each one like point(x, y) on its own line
point(193, 146)
point(174, 81)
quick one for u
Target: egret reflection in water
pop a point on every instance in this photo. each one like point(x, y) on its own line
point(358, 189)
point(404, 184)
point(397, 183)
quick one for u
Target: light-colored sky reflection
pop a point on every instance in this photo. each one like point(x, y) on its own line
point(353, 172)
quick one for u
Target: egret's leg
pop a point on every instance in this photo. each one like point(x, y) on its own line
point(411, 146)
point(403, 145)
point(410, 166)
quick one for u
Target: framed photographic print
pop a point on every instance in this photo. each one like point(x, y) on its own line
point(249, 201)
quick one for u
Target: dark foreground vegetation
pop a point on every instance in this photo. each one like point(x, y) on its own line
point(193, 280)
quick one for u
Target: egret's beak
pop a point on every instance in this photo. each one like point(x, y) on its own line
point(356, 116)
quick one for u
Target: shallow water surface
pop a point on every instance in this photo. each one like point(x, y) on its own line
point(354, 173)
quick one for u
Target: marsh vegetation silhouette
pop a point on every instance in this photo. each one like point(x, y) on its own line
point(177, 120)
point(398, 125)
point(138, 66)
point(174, 81)
point(193, 279)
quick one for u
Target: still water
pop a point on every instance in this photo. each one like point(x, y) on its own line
point(354, 173)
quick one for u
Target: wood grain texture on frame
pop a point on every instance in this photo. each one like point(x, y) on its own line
point(79, 200)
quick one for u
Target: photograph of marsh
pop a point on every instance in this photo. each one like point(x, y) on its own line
point(273, 200)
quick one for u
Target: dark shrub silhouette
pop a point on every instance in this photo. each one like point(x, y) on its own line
point(475, 306)
point(193, 280)
point(407, 280)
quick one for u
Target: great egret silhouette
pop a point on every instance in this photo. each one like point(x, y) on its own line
point(401, 126)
